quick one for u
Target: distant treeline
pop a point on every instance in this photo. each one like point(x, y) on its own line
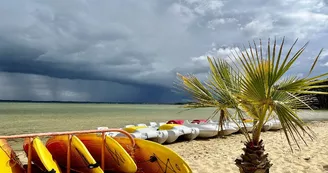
point(322, 102)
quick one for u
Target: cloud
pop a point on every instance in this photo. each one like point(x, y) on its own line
point(326, 64)
point(140, 44)
point(18, 86)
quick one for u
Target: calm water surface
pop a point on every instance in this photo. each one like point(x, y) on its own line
point(19, 118)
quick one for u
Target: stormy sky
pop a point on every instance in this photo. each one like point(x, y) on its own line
point(130, 51)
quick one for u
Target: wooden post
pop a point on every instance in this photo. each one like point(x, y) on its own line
point(68, 164)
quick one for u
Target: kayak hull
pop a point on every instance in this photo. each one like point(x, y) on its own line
point(41, 156)
point(81, 160)
point(152, 157)
point(8, 161)
point(116, 158)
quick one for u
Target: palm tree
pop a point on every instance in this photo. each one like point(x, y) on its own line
point(255, 85)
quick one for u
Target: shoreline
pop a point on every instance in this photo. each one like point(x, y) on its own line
point(115, 103)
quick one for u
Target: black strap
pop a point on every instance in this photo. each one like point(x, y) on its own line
point(52, 171)
point(91, 166)
point(153, 159)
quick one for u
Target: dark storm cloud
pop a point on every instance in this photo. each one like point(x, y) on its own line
point(18, 59)
point(18, 86)
point(141, 45)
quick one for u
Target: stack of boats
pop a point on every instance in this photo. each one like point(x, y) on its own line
point(93, 152)
point(128, 150)
point(170, 131)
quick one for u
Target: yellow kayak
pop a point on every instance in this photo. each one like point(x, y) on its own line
point(9, 162)
point(152, 157)
point(116, 158)
point(41, 156)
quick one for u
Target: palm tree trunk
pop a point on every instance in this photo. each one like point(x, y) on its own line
point(257, 132)
point(253, 160)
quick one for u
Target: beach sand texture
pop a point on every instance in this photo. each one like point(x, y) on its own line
point(218, 154)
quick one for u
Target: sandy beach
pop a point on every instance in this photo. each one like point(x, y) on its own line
point(218, 155)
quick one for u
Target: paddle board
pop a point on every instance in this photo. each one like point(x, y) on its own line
point(152, 157)
point(41, 156)
point(9, 162)
point(81, 160)
point(116, 158)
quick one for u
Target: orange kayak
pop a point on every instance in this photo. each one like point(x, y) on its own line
point(81, 159)
point(116, 158)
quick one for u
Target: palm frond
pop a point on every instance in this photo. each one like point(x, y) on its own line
point(198, 91)
point(296, 85)
point(291, 123)
point(315, 62)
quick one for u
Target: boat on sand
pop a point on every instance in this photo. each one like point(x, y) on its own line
point(141, 132)
point(209, 128)
point(177, 130)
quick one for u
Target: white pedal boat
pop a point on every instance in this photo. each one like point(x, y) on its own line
point(143, 132)
point(205, 130)
point(177, 130)
point(274, 124)
point(240, 126)
point(246, 124)
point(228, 127)
point(266, 126)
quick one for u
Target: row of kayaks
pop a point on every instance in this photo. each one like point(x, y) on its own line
point(86, 155)
point(170, 131)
